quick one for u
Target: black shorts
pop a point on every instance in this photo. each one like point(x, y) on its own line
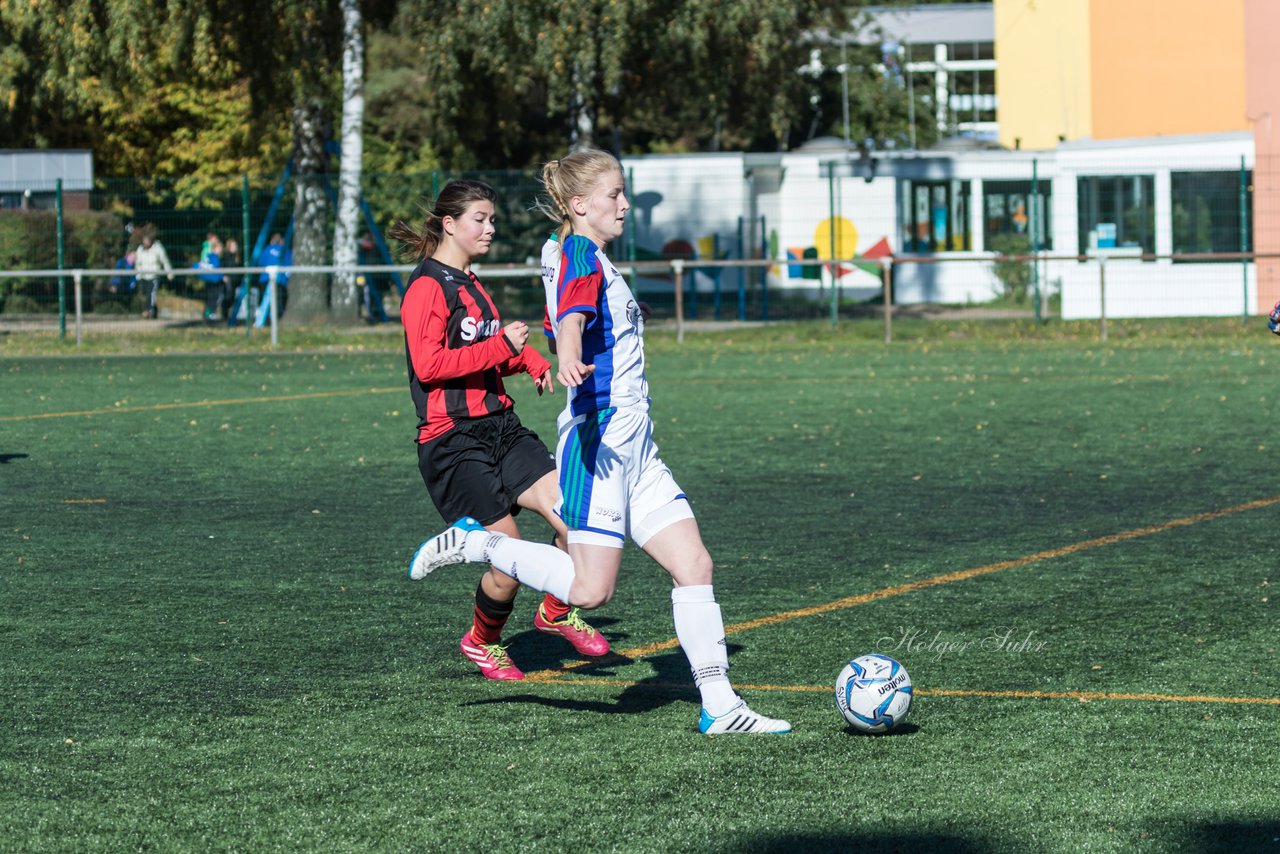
point(481, 466)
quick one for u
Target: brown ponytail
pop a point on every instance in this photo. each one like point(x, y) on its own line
point(453, 201)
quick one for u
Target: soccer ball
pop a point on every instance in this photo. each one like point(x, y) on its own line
point(873, 693)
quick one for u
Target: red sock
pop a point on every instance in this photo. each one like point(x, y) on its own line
point(490, 616)
point(553, 609)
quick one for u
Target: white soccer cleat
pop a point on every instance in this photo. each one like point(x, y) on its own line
point(740, 719)
point(443, 549)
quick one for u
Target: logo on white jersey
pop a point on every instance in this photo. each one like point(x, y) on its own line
point(608, 513)
point(473, 329)
point(634, 317)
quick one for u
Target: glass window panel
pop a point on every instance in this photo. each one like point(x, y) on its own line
point(1011, 209)
point(935, 216)
point(1116, 211)
point(1207, 215)
point(920, 52)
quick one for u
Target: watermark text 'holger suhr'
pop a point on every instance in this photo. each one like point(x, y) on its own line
point(910, 640)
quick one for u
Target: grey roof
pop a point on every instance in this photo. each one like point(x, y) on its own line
point(932, 23)
point(39, 170)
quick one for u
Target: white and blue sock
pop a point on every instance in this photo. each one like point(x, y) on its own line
point(542, 567)
point(700, 629)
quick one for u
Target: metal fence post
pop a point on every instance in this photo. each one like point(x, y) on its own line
point(245, 260)
point(742, 271)
point(831, 227)
point(272, 294)
point(1033, 220)
point(718, 274)
point(764, 269)
point(62, 249)
point(886, 277)
point(1102, 296)
point(76, 277)
point(693, 292)
point(835, 254)
point(677, 268)
point(630, 222)
point(1244, 243)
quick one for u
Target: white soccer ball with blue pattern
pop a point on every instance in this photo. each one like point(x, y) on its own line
point(873, 693)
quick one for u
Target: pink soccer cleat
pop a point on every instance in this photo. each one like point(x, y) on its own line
point(574, 629)
point(491, 658)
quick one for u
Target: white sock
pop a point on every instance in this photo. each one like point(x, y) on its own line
point(542, 567)
point(700, 629)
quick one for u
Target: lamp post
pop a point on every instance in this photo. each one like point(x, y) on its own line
point(844, 86)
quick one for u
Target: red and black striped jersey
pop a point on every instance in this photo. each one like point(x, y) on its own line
point(455, 349)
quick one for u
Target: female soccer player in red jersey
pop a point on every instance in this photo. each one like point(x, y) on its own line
point(613, 482)
point(475, 456)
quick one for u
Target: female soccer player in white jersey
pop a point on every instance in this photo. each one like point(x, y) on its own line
point(475, 456)
point(612, 481)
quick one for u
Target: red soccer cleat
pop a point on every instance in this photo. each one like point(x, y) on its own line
point(575, 630)
point(491, 658)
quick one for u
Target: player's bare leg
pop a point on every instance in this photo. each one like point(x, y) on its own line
point(679, 549)
point(596, 569)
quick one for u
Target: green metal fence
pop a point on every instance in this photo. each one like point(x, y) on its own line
point(1024, 226)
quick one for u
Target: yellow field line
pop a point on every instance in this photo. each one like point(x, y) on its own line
point(547, 678)
point(945, 578)
point(1101, 695)
point(235, 401)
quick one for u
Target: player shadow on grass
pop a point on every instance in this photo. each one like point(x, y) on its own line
point(1232, 835)
point(8, 458)
point(900, 729)
point(535, 651)
point(668, 683)
point(862, 841)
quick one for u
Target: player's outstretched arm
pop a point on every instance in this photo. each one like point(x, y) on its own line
point(573, 371)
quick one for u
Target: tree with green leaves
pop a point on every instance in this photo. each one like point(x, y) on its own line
point(515, 83)
point(153, 88)
point(215, 88)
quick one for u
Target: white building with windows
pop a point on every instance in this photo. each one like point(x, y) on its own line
point(948, 54)
point(1116, 225)
point(945, 214)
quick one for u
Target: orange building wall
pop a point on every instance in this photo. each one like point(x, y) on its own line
point(1167, 67)
point(1262, 53)
point(1042, 72)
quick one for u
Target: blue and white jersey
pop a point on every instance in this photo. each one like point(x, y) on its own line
point(579, 277)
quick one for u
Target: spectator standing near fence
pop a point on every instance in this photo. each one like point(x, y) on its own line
point(370, 284)
point(149, 262)
point(274, 254)
point(210, 261)
point(230, 258)
point(123, 284)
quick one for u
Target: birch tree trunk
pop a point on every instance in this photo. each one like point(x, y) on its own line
point(309, 292)
point(346, 294)
point(582, 133)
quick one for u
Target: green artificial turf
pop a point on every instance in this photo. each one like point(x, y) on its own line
point(208, 641)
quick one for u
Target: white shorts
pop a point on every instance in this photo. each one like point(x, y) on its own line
point(611, 481)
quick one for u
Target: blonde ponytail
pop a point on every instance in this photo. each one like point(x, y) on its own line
point(573, 175)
